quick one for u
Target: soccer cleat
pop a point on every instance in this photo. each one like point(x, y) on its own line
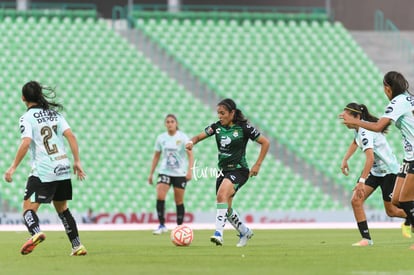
point(161, 229)
point(79, 251)
point(406, 231)
point(364, 242)
point(244, 238)
point(217, 238)
point(31, 243)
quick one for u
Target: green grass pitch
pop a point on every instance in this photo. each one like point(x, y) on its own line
point(310, 251)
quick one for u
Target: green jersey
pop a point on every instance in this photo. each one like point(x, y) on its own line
point(231, 144)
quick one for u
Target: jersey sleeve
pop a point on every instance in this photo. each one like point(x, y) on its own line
point(185, 138)
point(396, 108)
point(367, 139)
point(25, 128)
point(63, 125)
point(211, 129)
point(251, 132)
point(157, 146)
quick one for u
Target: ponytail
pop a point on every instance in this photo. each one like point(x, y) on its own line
point(33, 92)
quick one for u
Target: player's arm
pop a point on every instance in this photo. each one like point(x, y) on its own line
point(351, 150)
point(154, 164)
point(264, 148)
point(196, 139)
point(73, 144)
point(378, 126)
point(369, 161)
point(21, 152)
point(190, 164)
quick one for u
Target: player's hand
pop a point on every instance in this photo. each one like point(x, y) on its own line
point(359, 191)
point(150, 179)
point(189, 145)
point(254, 171)
point(8, 176)
point(348, 119)
point(189, 176)
point(345, 168)
point(78, 171)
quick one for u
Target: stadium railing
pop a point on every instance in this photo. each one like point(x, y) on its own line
point(399, 42)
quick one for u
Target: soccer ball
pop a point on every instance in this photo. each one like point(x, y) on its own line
point(182, 235)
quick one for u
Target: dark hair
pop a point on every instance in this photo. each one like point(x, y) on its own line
point(230, 105)
point(33, 92)
point(362, 110)
point(397, 82)
point(173, 117)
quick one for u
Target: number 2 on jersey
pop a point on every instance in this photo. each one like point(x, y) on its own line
point(47, 134)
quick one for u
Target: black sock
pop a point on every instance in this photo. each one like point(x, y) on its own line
point(408, 207)
point(70, 227)
point(180, 213)
point(31, 220)
point(363, 229)
point(161, 211)
point(407, 221)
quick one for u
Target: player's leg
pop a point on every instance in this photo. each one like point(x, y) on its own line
point(162, 188)
point(225, 191)
point(406, 226)
point(71, 229)
point(179, 190)
point(239, 179)
point(357, 203)
point(62, 195)
point(406, 198)
point(388, 187)
point(34, 188)
point(235, 220)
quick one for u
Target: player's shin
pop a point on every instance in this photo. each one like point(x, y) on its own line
point(221, 217)
point(31, 220)
point(235, 220)
point(70, 227)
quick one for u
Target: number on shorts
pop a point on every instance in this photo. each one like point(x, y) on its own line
point(164, 178)
point(404, 168)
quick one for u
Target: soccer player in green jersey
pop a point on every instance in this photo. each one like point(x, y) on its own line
point(42, 130)
point(399, 111)
point(232, 133)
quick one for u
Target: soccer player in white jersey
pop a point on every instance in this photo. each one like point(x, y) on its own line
point(400, 111)
point(42, 130)
point(175, 170)
point(380, 169)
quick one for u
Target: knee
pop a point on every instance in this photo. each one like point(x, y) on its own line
point(390, 212)
point(356, 202)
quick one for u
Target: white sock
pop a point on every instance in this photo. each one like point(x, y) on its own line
point(236, 222)
point(221, 217)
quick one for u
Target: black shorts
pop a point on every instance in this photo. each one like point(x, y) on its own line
point(238, 177)
point(386, 183)
point(45, 192)
point(177, 182)
point(407, 167)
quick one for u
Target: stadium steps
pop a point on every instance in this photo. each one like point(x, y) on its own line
point(115, 100)
point(179, 71)
point(382, 49)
